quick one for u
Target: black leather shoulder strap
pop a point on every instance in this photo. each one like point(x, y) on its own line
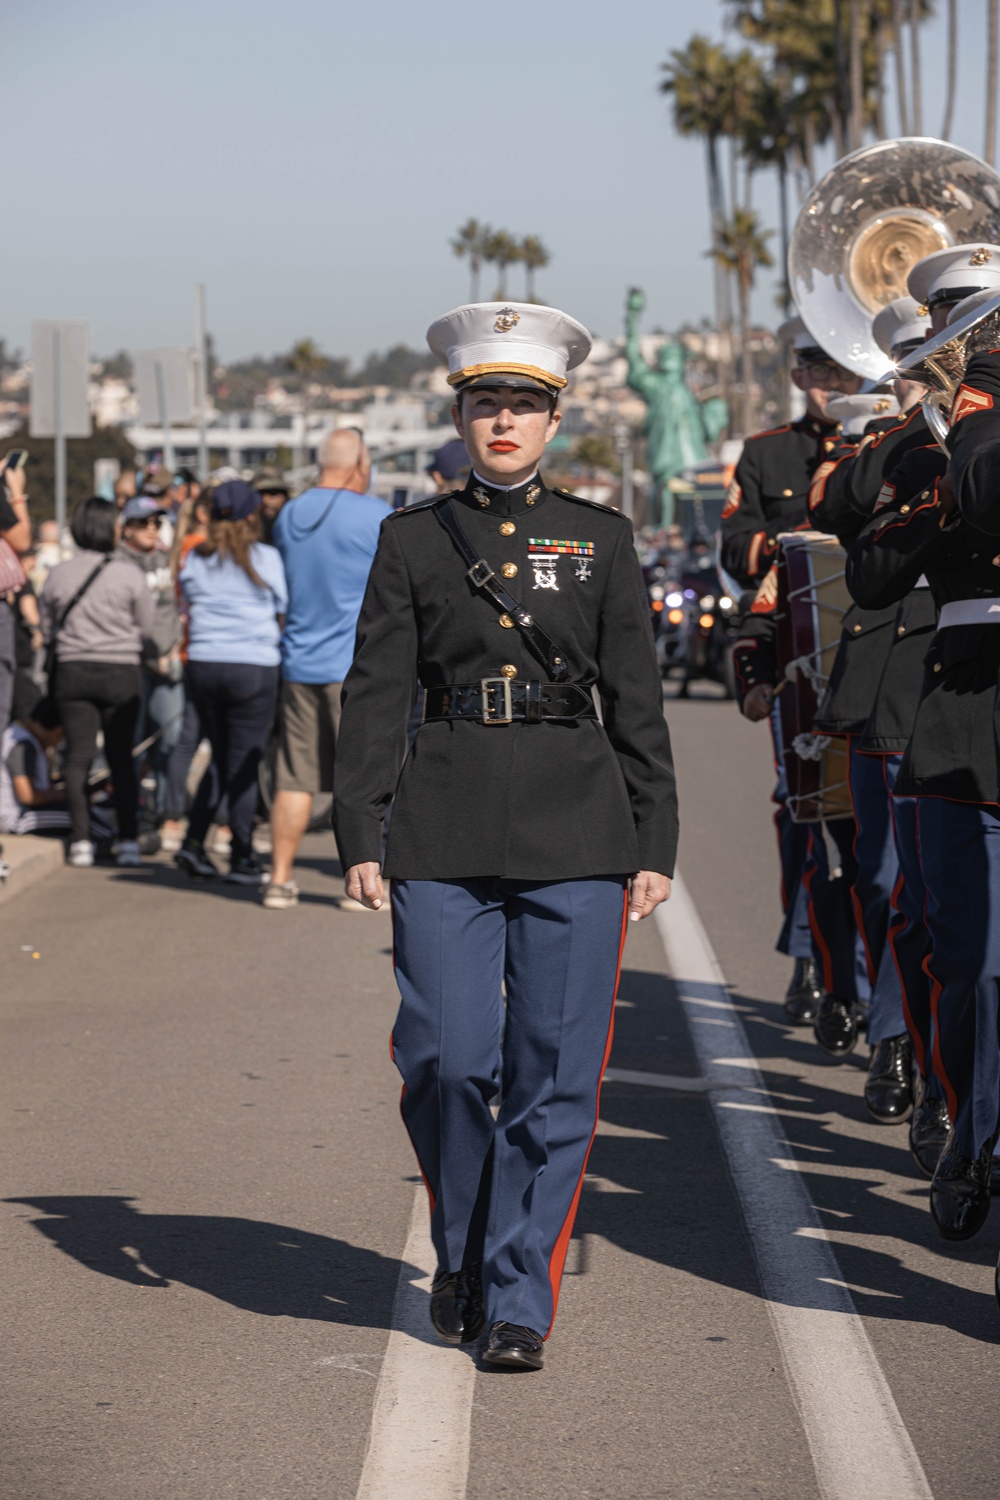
point(482, 576)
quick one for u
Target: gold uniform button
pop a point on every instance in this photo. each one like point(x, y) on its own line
point(937, 666)
point(507, 528)
point(904, 510)
point(508, 670)
point(900, 629)
point(857, 629)
point(829, 445)
point(786, 493)
point(506, 622)
point(509, 570)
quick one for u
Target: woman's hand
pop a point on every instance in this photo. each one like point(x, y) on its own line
point(646, 891)
point(364, 884)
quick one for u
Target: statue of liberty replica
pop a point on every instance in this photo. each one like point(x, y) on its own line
point(678, 426)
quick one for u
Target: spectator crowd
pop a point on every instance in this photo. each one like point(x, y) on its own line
point(171, 680)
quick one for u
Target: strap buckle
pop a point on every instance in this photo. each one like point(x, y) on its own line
point(480, 573)
point(486, 685)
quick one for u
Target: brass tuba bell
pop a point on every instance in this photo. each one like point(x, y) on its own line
point(865, 225)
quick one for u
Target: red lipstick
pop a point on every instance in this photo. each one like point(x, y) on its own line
point(504, 447)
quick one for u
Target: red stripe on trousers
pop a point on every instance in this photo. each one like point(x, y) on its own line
point(559, 1253)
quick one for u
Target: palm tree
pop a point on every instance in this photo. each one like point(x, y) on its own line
point(952, 69)
point(742, 250)
point(992, 24)
point(698, 80)
point(469, 241)
point(771, 134)
point(534, 257)
point(918, 123)
point(501, 250)
point(305, 361)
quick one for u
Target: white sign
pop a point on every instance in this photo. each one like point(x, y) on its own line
point(60, 358)
point(165, 385)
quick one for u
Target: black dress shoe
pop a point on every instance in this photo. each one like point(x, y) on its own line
point(929, 1127)
point(457, 1310)
point(836, 1026)
point(960, 1191)
point(804, 993)
point(889, 1085)
point(514, 1347)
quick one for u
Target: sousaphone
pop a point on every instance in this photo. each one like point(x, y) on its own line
point(867, 223)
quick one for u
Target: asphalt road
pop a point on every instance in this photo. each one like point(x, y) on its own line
point(207, 1193)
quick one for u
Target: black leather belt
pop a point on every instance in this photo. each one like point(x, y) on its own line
point(497, 700)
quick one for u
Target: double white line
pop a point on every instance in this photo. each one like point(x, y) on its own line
point(419, 1440)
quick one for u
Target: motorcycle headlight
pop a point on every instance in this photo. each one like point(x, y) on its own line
point(707, 601)
point(676, 617)
point(725, 602)
point(675, 599)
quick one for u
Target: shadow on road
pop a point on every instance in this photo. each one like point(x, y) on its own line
point(664, 1192)
point(168, 877)
point(263, 1268)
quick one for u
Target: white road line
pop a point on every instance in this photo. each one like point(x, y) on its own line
point(676, 1081)
point(859, 1445)
point(418, 1446)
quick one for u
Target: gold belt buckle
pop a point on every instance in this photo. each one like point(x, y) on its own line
point(507, 717)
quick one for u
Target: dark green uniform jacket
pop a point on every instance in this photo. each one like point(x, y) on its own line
point(527, 801)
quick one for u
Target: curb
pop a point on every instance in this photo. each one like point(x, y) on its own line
point(31, 860)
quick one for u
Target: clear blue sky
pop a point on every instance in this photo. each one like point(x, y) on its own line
point(309, 161)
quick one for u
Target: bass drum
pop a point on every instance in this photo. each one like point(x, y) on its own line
point(322, 806)
point(812, 601)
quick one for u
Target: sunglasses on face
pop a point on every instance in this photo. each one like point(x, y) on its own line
point(149, 521)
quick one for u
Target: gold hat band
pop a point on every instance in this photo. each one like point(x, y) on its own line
point(502, 367)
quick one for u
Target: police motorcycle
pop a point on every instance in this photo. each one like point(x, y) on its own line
point(666, 607)
point(708, 618)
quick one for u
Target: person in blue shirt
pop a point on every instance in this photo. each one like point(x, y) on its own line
point(327, 538)
point(235, 595)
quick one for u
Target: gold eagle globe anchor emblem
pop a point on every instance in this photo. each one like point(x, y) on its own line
point(507, 319)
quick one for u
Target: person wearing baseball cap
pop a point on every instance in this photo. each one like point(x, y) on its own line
point(236, 596)
point(162, 710)
point(524, 830)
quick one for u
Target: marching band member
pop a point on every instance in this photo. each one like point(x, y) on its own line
point(769, 495)
point(843, 495)
point(950, 768)
point(525, 830)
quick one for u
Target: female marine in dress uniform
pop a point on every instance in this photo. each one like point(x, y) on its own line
point(525, 828)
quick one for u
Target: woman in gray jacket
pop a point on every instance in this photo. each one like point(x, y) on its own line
point(99, 613)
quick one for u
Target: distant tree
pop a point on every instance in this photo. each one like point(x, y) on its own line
point(10, 359)
point(742, 250)
point(501, 250)
point(534, 257)
point(596, 450)
point(469, 241)
point(117, 366)
point(396, 367)
point(81, 453)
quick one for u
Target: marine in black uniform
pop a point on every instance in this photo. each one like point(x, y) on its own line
point(950, 767)
point(843, 496)
point(769, 495)
point(521, 820)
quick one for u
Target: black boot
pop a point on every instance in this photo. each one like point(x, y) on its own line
point(804, 993)
point(929, 1127)
point(960, 1191)
point(457, 1310)
point(889, 1085)
point(836, 1026)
